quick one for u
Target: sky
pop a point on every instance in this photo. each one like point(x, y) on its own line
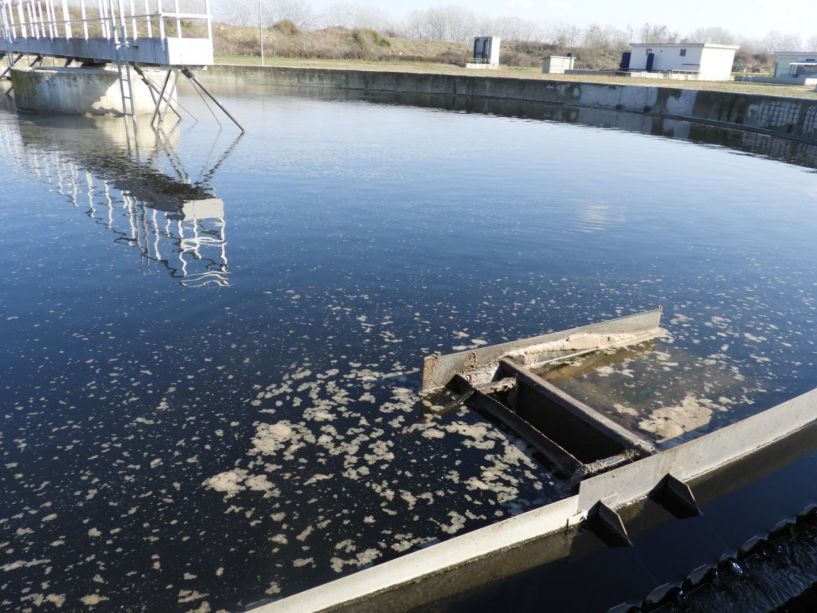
point(753, 18)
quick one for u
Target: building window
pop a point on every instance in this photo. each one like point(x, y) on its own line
point(683, 52)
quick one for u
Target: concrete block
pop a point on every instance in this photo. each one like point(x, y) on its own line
point(80, 91)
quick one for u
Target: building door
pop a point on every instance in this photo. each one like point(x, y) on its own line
point(650, 61)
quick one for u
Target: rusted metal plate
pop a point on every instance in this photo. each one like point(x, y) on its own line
point(480, 364)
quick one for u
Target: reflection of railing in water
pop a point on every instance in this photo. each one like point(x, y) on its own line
point(184, 231)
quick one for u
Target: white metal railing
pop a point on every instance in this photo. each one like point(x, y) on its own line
point(118, 21)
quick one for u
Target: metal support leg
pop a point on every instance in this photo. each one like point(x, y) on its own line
point(157, 111)
point(12, 62)
point(155, 90)
point(187, 72)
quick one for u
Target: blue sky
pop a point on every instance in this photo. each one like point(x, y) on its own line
point(748, 17)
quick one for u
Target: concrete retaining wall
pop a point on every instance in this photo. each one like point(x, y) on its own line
point(79, 91)
point(789, 117)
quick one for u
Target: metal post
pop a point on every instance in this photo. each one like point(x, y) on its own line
point(261, 31)
point(161, 21)
point(123, 24)
point(35, 31)
point(8, 24)
point(12, 62)
point(209, 20)
point(66, 26)
point(155, 90)
point(148, 20)
point(38, 9)
point(52, 19)
point(103, 19)
point(189, 74)
point(84, 19)
point(21, 15)
point(134, 34)
point(6, 33)
point(157, 112)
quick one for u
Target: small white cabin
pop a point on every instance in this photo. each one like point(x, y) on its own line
point(795, 64)
point(558, 64)
point(486, 52)
point(704, 61)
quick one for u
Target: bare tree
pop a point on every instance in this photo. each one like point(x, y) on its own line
point(606, 37)
point(563, 35)
point(778, 41)
point(653, 33)
point(351, 16)
point(712, 34)
point(449, 23)
point(237, 12)
point(511, 28)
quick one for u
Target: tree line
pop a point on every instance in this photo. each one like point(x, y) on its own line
point(459, 24)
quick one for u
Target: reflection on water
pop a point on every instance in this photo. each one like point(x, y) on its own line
point(98, 166)
point(797, 152)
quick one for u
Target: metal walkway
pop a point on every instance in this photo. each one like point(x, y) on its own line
point(108, 31)
point(113, 31)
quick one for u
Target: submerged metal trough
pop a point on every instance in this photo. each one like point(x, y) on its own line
point(505, 381)
point(604, 465)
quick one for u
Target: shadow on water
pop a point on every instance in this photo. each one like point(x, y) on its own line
point(128, 178)
point(554, 571)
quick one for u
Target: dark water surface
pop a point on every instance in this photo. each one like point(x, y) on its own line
point(210, 349)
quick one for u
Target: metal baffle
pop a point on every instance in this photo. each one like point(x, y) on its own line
point(576, 439)
point(608, 525)
point(565, 463)
point(577, 408)
point(676, 495)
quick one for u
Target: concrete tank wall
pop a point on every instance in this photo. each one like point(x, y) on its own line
point(79, 91)
point(789, 117)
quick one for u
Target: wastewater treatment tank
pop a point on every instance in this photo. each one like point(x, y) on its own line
point(213, 359)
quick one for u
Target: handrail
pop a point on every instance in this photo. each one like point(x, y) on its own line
point(117, 20)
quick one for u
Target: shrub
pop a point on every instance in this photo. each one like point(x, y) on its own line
point(286, 27)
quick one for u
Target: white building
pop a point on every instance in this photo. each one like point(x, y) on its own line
point(558, 64)
point(795, 64)
point(704, 61)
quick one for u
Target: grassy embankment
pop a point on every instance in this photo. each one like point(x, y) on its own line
point(341, 48)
